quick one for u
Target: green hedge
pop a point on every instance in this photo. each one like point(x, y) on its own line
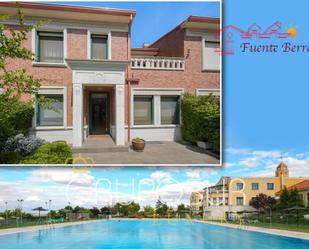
point(201, 119)
point(15, 117)
point(9, 157)
point(51, 153)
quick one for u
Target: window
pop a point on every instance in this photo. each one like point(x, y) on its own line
point(211, 57)
point(270, 186)
point(239, 201)
point(51, 117)
point(98, 47)
point(143, 110)
point(239, 186)
point(169, 110)
point(255, 186)
point(50, 47)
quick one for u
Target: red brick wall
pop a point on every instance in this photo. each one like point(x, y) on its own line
point(77, 44)
point(76, 49)
point(119, 46)
point(171, 44)
point(189, 79)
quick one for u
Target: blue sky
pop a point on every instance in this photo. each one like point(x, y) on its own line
point(153, 19)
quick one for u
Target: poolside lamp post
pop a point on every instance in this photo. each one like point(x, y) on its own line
point(6, 212)
point(20, 201)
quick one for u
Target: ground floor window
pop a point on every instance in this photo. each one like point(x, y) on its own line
point(169, 110)
point(143, 114)
point(51, 116)
point(239, 201)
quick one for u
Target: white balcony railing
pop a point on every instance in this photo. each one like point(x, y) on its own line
point(158, 63)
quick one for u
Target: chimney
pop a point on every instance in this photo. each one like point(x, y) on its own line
point(146, 45)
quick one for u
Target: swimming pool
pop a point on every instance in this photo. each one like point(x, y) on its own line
point(147, 234)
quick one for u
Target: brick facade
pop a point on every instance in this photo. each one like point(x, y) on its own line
point(175, 44)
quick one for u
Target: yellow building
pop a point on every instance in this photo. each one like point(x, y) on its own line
point(232, 195)
point(196, 202)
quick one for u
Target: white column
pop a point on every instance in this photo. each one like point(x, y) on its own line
point(157, 109)
point(120, 114)
point(78, 126)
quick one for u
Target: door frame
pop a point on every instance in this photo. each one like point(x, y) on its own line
point(108, 111)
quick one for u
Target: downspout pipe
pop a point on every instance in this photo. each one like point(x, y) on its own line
point(129, 82)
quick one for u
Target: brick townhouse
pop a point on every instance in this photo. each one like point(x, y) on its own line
point(103, 86)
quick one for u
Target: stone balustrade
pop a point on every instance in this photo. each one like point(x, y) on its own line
point(177, 64)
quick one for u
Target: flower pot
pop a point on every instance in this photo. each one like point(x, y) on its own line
point(138, 145)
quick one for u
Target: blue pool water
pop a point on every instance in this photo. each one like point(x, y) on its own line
point(146, 234)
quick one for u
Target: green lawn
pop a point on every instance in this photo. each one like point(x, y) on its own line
point(290, 227)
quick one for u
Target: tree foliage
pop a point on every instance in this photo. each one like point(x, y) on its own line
point(290, 198)
point(15, 82)
point(201, 119)
point(263, 202)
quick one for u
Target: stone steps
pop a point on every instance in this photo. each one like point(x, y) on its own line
point(98, 144)
point(100, 149)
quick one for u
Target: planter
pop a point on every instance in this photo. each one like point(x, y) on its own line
point(204, 145)
point(138, 144)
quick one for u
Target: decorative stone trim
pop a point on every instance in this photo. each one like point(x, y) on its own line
point(177, 64)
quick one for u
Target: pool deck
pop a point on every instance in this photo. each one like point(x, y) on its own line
point(44, 227)
point(291, 234)
point(286, 233)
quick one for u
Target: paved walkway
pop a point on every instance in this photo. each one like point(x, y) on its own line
point(155, 153)
point(287, 233)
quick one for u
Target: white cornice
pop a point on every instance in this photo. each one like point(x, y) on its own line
point(60, 24)
point(98, 64)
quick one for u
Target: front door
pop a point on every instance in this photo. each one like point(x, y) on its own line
point(98, 113)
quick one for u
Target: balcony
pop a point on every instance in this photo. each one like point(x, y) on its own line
point(158, 63)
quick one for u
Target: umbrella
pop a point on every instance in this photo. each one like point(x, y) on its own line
point(40, 209)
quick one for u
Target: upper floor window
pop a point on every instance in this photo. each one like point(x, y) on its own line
point(270, 186)
point(255, 186)
point(99, 47)
point(169, 110)
point(50, 47)
point(211, 58)
point(239, 186)
point(51, 116)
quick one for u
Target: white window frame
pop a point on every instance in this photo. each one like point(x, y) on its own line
point(109, 43)
point(34, 48)
point(207, 91)
point(204, 40)
point(156, 93)
point(52, 90)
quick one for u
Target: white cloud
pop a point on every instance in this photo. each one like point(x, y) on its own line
point(158, 175)
point(193, 174)
point(63, 176)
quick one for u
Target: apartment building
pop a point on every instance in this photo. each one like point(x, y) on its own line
point(231, 194)
point(196, 203)
point(100, 85)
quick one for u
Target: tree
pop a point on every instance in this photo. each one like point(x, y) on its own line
point(16, 82)
point(15, 115)
point(94, 212)
point(149, 211)
point(295, 198)
point(133, 208)
point(290, 198)
point(263, 202)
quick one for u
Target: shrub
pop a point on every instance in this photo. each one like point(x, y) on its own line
point(15, 117)
point(51, 153)
point(201, 119)
point(22, 144)
point(9, 157)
